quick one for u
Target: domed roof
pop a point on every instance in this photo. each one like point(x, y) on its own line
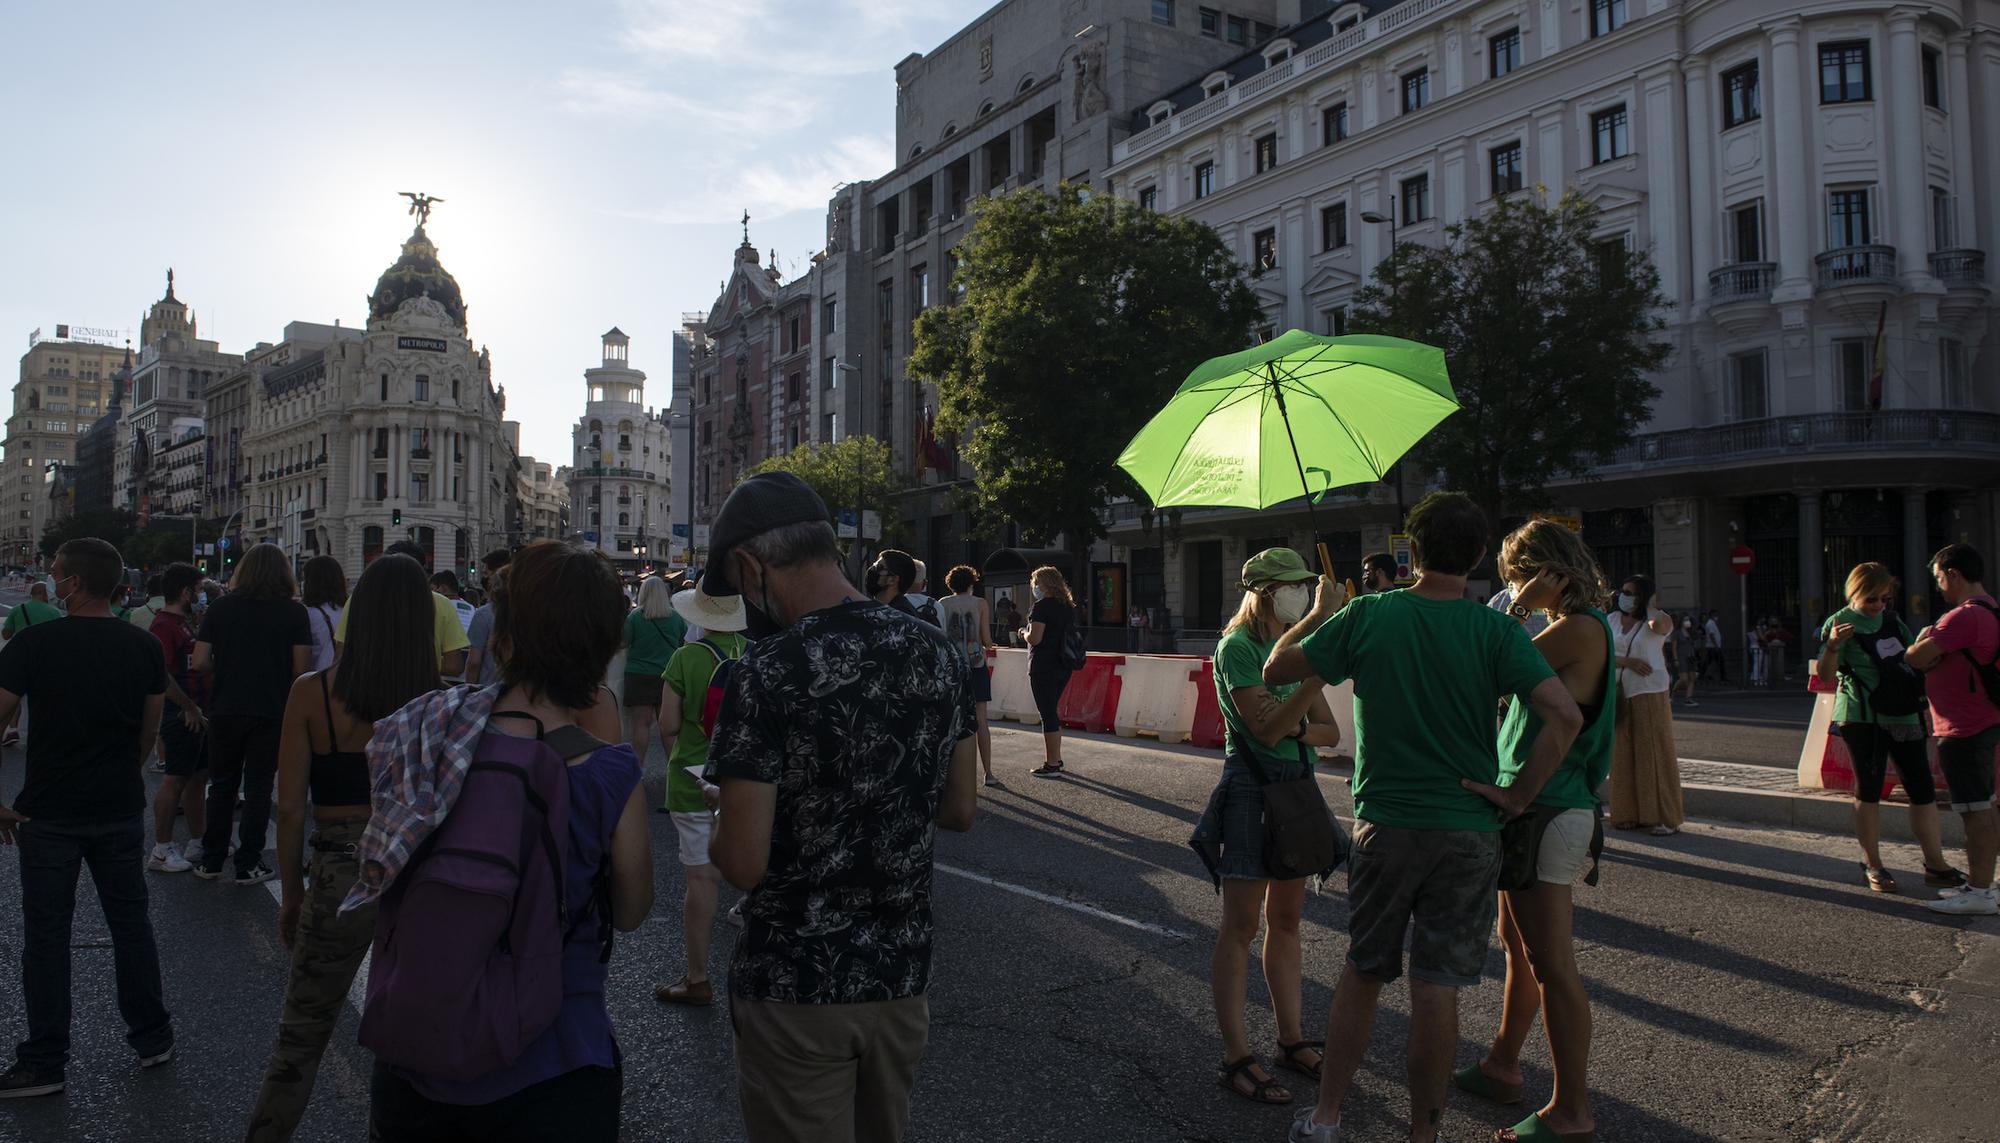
point(417, 274)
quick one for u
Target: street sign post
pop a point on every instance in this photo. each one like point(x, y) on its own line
point(1742, 561)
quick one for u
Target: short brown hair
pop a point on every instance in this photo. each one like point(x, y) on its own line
point(961, 579)
point(265, 573)
point(1447, 533)
point(558, 618)
point(96, 565)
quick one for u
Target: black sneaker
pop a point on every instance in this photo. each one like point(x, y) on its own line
point(254, 875)
point(163, 1056)
point(206, 871)
point(20, 1082)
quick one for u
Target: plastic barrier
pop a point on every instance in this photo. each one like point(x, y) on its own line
point(1090, 702)
point(1158, 696)
point(1012, 700)
point(1208, 727)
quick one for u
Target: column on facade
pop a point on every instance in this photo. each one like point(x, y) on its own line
point(1017, 151)
point(1702, 211)
point(941, 205)
point(1295, 128)
point(1909, 198)
point(1229, 144)
point(1812, 561)
point(1791, 199)
point(1371, 99)
point(1965, 185)
point(1551, 32)
point(1986, 57)
point(1454, 61)
point(1292, 267)
point(1170, 181)
point(1663, 200)
point(976, 168)
point(1551, 134)
point(1452, 179)
point(1916, 555)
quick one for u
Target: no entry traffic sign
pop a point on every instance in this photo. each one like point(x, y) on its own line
point(1742, 560)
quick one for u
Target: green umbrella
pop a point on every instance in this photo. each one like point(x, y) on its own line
point(1295, 416)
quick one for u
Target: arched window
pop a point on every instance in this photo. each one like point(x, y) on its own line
point(917, 151)
point(950, 129)
point(986, 108)
point(1027, 81)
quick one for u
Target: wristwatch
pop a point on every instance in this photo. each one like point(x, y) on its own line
point(1519, 612)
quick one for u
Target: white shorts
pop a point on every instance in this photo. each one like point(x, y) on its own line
point(694, 830)
point(1565, 846)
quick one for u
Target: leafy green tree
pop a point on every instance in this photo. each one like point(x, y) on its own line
point(1549, 333)
point(858, 472)
point(114, 526)
point(1077, 317)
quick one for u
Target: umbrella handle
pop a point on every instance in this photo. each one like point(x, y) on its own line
point(1325, 559)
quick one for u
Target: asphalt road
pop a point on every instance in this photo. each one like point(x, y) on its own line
point(1746, 988)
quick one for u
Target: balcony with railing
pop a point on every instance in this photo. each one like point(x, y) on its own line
point(1850, 266)
point(1829, 435)
point(1742, 282)
point(1959, 269)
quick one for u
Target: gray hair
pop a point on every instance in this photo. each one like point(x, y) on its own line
point(794, 544)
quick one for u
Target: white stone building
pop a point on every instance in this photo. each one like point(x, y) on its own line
point(175, 369)
point(1801, 176)
point(619, 485)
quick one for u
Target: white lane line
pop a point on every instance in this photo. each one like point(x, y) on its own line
point(1062, 902)
point(356, 992)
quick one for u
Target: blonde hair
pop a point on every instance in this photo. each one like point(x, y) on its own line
point(1251, 613)
point(1052, 583)
point(656, 599)
point(1540, 545)
point(1868, 578)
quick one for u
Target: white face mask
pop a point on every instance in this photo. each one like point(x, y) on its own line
point(201, 600)
point(1291, 602)
point(1035, 591)
point(1626, 603)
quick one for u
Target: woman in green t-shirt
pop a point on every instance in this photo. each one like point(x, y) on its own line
point(653, 632)
point(1852, 641)
point(1550, 569)
point(1274, 729)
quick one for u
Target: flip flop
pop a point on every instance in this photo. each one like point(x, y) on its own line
point(1534, 1129)
point(1486, 1087)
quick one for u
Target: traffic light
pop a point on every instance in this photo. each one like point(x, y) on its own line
point(396, 517)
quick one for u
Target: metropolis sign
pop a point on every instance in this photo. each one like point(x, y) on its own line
point(426, 344)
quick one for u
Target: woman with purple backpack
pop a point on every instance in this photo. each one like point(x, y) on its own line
point(389, 660)
point(492, 1024)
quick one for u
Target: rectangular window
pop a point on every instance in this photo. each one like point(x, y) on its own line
point(1264, 251)
point(1746, 232)
point(1749, 393)
point(1606, 17)
point(1163, 12)
point(1506, 162)
point(920, 287)
point(1149, 198)
point(385, 386)
point(1503, 52)
point(1333, 124)
point(795, 388)
point(420, 487)
point(1416, 199)
point(1266, 152)
point(1416, 89)
point(420, 441)
point(1610, 135)
point(1204, 180)
point(1951, 374)
point(1333, 226)
point(1852, 367)
point(1211, 22)
point(423, 387)
point(1741, 101)
point(1239, 30)
point(1944, 228)
point(1847, 221)
point(829, 314)
point(792, 338)
point(1843, 73)
point(1334, 321)
point(1611, 254)
point(1933, 79)
point(381, 486)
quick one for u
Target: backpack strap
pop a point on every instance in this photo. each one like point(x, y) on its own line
point(1974, 683)
point(540, 733)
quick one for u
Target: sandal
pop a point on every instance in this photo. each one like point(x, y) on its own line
point(1664, 830)
point(1945, 878)
point(1879, 879)
point(1048, 770)
point(1288, 1057)
point(1267, 1090)
point(1478, 1083)
point(694, 994)
point(1534, 1129)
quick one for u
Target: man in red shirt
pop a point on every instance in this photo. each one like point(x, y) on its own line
point(1966, 717)
point(183, 726)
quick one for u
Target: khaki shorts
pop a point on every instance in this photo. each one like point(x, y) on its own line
point(694, 829)
point(828, 1073)
point(1565, 846)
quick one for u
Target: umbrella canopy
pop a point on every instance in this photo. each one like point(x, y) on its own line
point(1295, 416)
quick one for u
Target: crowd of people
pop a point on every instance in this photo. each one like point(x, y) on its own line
point(486, 842)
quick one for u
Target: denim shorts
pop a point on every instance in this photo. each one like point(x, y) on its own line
point(1440, 886)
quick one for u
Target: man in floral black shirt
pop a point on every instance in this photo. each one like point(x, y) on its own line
point(845, 738)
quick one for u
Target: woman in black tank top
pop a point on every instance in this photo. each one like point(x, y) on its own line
point(387, 660)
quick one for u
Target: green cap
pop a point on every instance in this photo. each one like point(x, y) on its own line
point(1275, 565)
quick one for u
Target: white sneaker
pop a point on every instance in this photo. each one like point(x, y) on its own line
point(192, 851)
point(168, 859)
point(1967, 902)
point(1304, 1130)
point(735, 915)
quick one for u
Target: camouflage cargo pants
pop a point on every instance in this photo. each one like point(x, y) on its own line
point(327, 952)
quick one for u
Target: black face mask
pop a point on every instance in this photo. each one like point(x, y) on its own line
point(759, 621)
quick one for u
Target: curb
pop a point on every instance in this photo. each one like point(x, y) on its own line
point(1817, 813)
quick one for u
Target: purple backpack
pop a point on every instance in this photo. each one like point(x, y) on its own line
point(467, 966)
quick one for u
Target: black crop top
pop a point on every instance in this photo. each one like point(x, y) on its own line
point(339, 777)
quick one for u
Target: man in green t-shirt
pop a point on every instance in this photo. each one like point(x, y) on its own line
point(1429, 668)
point(683, 696)
point(34, 609)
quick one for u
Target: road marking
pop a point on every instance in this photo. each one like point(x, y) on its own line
point(357, 992)
point(1062, 902)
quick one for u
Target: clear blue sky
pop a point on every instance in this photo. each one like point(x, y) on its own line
point(595, 156)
